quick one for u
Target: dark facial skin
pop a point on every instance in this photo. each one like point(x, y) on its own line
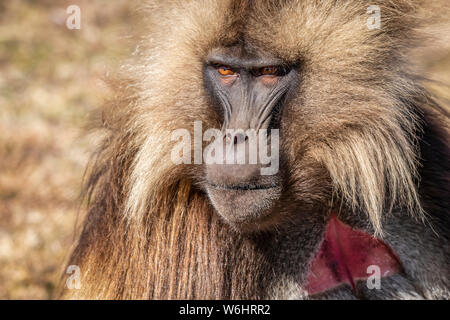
point(249, 91)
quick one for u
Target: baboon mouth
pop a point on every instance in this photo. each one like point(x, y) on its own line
point(244, 206)
point(244, 187)
point(347, 255)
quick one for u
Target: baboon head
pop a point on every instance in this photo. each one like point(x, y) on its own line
point(337, 153)
point(331, 97)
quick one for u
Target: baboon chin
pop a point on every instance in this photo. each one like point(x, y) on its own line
point(246, 207)
point(339, 172)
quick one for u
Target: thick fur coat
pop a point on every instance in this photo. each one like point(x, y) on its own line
point(362, 138)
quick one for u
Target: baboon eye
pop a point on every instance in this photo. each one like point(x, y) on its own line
point(269, 71)
point(225, 71)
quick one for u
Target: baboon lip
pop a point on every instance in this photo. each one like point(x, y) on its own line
point(243, 187)
point(346, 255)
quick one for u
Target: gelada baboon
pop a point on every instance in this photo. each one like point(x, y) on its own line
point(362, 191)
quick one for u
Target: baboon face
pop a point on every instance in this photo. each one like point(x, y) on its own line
point(249, 89)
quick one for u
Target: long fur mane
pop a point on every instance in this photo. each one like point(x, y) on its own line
point(152, 231)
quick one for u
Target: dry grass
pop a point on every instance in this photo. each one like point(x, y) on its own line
point(50, 81)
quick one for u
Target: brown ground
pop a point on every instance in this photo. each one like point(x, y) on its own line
point(50, 80)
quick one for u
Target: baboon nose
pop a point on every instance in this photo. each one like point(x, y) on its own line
point(238, 165)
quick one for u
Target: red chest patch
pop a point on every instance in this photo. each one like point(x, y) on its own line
point(344, 256)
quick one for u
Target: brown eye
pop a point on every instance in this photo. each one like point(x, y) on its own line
point(225, 71)
point(269, 71)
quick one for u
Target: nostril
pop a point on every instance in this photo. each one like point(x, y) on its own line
point(240, 138)
point(236, 138)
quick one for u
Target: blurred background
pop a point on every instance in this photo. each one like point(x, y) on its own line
point(50, 81)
